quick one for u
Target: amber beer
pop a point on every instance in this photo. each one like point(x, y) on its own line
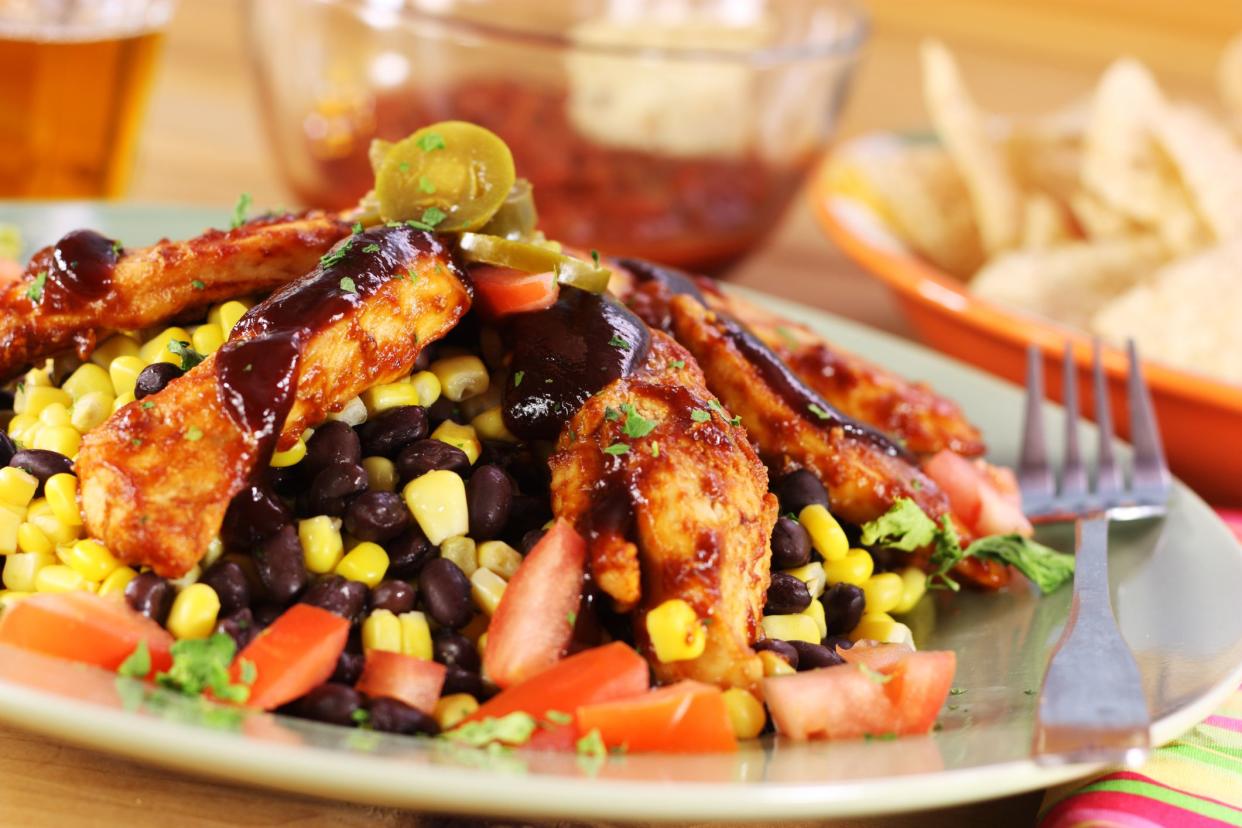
point(70, 107)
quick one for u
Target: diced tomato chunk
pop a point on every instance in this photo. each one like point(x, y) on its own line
point(80, 626)
point(687, 717)
point(415, 681)
point(500, 291)
point(531, 628)
point(919, 686)
point(294, 655)
point(980, 495)
point(879, 657)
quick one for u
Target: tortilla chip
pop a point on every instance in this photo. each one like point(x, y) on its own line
point(1045, 223)
point(1209, 165)
point(1229, 81)
point(984, 167)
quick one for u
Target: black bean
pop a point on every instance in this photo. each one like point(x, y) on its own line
point(150, 595)
point(800, 489)
point(377, 516)
point(239, 626)
point(333, 442)
point(441, 410)
point(791, 545)
point(530, 540)
point(408, 552)
point(288, 481)
point(265, 614)
point(838, 642)
point(394, 430)
point(340, 595)
point(332, 703)
point(153, 378)
point(6, 400)
point(41, 463)
point(349, 667)
point(786, 595)
point(253, 516)
point(229, 581)
point(527, 512)
point(489, 498)
point(423, 361)
point(843, 607)
point(395, 596)
point(445, 591)
point(392, 716)
point(812, 656)
point(417, 459)
point(782, 648)
point(333, 487)
point(460, 680)
point(453, 649)
point(282, 567)
point(7, 448)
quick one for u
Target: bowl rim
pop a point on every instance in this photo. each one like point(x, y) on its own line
point(847, 43)
point(913, 277)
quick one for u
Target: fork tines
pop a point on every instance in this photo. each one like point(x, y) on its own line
point(1149, 481)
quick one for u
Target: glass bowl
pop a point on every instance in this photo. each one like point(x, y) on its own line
point(673, 131)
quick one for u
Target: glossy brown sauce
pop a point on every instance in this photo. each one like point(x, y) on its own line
point(80, 269)
point(564, 354)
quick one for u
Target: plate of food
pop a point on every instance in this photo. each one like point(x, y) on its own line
point(411, 505)
point(1113, 218)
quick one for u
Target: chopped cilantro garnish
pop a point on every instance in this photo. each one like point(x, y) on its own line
point(636, 425)
point(617, 449)
point(148, 404)
point(198, 284)
point(678, 364)
point(336, 254)
point(420, 225)
point(189, 357)
point(240, 209)
point(592, 745)
point(138, 663)
point(201, 664)
point(655, 449)
point(135, 441)
point(357, 228)
point(571, 617)
point(595, 257)
point(193, 434)
point(117, 247)
point(904, 526)
point(35, 292)
point(558, 717)
point(513, 729)
point(433, 216)
point(248, 672)
point(699, 415)
point(787, 335)
point(347, 285)
point(361, 716)
point(404, 166)
point(618, 342)
point(611, 414)
point(371, 248)
point(518, 377)
point(430, 141)
point(425, 185)
point(819, 412)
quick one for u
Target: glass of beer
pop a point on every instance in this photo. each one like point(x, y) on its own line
point(74, 78)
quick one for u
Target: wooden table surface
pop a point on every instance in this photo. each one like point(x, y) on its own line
point(202, 144)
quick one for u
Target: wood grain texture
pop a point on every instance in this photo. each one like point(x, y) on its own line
point(203, 144)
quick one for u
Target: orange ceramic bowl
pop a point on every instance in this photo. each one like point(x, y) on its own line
point(1200, 418)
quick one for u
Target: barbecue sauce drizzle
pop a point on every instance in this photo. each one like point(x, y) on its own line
point(79, 269)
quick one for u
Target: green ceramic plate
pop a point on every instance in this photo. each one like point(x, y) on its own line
point(1175, 587)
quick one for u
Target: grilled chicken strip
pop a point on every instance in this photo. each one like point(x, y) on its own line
point(683, 512)
point(157, 478)
point(86, 285)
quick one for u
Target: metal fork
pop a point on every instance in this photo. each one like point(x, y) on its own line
point(1091, 704)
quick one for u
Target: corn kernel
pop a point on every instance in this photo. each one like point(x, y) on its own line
point(481, 646)
point(487, 588)
point(381, 631)
point(913, 588)
point(381, 474)
point(815, 611)
point(11, 531)
point(461, 550)
point(54, 414)
point(38, 397)
point(22, 428)
point(676, 632)
point(227, 316)
point(92, 559)
point(367, 562)
point(827, 536)
point(746, 714)
point(493, 397)
point(415, 635)
point(500, 558)
point(855, 568)
point(812, 575)
point(60, 578)
point(91, 409)
point(114, 585)
point(437, 500)
point(322, 546)
point(461, 377)
point(883, 592)
point(155, 349)
point(17, 486)
point(290, 456)
point(215, 549)
point(427, 386)
point(9, 597)
point(354, 412)
point(61, 491)
point(791, 628)
point(30, 538)
point(207, 338)
point(60, 534)
point(452, 710)
point(490, 425)
point(63, 439)
point(774, 665)
point(380, 398)
point(124, 372)
point(115, 346)
point(874, 626)
point(122, 401)
point(194, 612)
point(190, 577)
point(21, 568)
point(461, 436)
point(38, 377)
point(88, 378)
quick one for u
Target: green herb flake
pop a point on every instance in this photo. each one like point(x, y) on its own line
point(617, 449)
point(513, 729)
point(618, 342)
point(190, 358)
point(136, 442)
point(347, 285)
point(518, 376)
point(571, 617)
point(357, 228)
point(193, 434)
point(636, 425)
point(699, 415)
point(611, 414)
point(787, 336)
point(904, 526)
point(148, 405)
point(335, 255)
point(875, 676)
point(404, 166)
point(559, 717)
point(655, 449)
point(201, 664)
point(419, 225)
point(819, 412)
point(35, 291)
point(433, 216)
point(240, 209)
point(425, 185)
point(117, 247)
point(247, 671)
point(198, 284)
point(430, 141)
point(361, 717)
point(592, 745)
point(678, 364)
point(138, 663)
point(956, 691)
point(371, 248)
point(595, 257)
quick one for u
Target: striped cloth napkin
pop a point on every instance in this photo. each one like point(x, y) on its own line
point(1193, 781)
